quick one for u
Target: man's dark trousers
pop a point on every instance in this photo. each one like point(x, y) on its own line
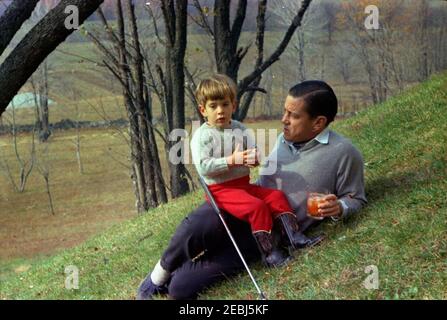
point(201, 253)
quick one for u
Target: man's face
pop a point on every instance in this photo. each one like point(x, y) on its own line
point(218, 112)
point(298, 126)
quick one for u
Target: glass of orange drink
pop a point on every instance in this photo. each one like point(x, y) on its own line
point(313, 199)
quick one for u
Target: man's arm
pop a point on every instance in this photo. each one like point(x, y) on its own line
point(350, 184)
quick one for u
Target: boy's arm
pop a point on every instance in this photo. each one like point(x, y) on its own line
point(202, 154)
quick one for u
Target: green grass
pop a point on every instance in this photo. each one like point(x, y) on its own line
point(402, 231)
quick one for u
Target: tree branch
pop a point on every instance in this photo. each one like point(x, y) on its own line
point(236, 28)
point(203, 19)
point(167, 7)
point(244, 83)
point(12, 19)
point(39, 42)
point(154, 21)
point(112, 36)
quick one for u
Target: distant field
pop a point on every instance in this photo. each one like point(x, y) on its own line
point(84, 204)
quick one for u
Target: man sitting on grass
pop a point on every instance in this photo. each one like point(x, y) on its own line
point(309, 157)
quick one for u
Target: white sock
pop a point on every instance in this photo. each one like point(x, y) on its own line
point(159, 276)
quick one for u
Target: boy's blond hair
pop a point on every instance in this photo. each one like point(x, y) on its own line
point(216, 87)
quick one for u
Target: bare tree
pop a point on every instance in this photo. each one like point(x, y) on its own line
point(422, 15)
point(228, 53)
point(375, 48)
point(77, 140)
point(175, 20)
point(43, 166)
point(125, 61)
point(285, 11)
point(342, 59)
point(330, 10)
point(439, 51)
point(37, 44)
point(25, 165)
point(39, 83)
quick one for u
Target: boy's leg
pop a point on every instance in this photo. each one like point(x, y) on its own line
point(242, 205)
point(275, 200)
point(284, 218)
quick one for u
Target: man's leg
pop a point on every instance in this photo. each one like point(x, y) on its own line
point(200, 231)
point(193, 278)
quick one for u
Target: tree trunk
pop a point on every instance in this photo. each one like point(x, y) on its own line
point(44, 128)
point(248, 97)
point(12, 19)
point(37, 45)
point(138, 176)
point(159, 180)
point(50, 198)
point(228, 59)
point(175, 18)
point(143, 119)
point(301, 63)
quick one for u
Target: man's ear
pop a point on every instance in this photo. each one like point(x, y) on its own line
point(320, 123)
point(234, 105)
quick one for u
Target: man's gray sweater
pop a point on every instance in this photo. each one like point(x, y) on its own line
point(328, 163)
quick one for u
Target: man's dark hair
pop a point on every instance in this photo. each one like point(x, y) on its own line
point(319, 98)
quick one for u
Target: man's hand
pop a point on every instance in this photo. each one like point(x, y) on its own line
point(251, 158)
point(331, 207)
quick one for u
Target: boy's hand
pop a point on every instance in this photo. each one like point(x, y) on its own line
point(237, 158)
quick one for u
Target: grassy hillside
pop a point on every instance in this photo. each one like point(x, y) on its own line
point(402, 231)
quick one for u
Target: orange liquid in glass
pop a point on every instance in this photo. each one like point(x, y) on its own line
point(312, 206)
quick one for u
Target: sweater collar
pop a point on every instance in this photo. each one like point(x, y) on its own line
point(322, 137)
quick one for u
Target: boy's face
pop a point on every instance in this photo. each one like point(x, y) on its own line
point(218, 112)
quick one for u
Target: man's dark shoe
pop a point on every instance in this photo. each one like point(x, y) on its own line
point(290, 234)
point(300, 240)
point(148, 289)
point(271, 255)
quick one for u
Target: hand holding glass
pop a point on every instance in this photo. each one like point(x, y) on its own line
point(313, 200)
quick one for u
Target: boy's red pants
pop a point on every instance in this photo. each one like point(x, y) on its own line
point(251, 203)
